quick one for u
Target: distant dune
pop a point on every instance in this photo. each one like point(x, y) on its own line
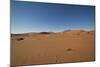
point(52, 47)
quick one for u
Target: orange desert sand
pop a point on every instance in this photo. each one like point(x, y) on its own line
point(49, 47)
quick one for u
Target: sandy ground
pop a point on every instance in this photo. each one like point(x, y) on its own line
point(62, 47)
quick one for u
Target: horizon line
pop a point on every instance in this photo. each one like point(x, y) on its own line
point(51, 31)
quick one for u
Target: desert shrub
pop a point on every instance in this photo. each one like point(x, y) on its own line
point(45, 32)
point(88, 32)
point(20, 39)
point(69, 49)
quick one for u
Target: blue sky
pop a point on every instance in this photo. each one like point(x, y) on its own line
point(39, 17)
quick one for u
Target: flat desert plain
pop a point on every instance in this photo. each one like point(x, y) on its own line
point(49, 47)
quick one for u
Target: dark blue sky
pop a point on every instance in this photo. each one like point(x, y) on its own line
point(37, 17)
